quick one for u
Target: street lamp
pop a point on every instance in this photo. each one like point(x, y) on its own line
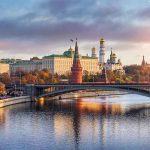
point(20, 81)
point(93, 77)
point(138, 77)
point(15, 90)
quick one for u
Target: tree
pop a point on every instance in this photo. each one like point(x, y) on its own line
point(86, 76)
point(5, 78)
point(111, 76)
point(2, 88)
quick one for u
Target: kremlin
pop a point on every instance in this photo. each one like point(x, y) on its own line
point(72, 63)
point(76, 69)
point(61, 64)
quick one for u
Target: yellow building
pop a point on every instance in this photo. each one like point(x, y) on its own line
point(61, 64)
point(4, 68)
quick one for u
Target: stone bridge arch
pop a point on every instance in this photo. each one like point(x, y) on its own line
point(37, 91)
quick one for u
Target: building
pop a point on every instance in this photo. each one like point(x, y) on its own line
point(93, 52)
point(61, 64)
point(113, 64)
point(9, 61)
point(102, 52)
point(144, 63)
point(4, 68)
point(76, 69)
point(26, 66)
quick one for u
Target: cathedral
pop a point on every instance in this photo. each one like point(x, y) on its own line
point(144, 63)
point(112, 63)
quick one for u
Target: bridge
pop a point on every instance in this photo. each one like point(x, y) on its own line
point(43, 90)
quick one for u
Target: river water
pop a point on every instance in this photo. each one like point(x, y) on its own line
point(115, 122)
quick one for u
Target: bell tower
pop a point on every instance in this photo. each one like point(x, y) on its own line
point(102, 52)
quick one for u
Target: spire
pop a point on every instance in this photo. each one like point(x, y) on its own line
point(76, 68)
point(76, 46)
point(76, 42)
point(111, 51)
point(76, 55)
point(143, 61)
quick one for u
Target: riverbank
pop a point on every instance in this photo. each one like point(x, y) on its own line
point(14, 100)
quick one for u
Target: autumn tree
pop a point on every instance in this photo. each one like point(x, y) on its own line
point(5, 78)
point(2, 88)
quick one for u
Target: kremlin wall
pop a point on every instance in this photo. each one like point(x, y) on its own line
point(63, 64)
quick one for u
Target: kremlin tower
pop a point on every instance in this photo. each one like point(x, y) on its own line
point(143, 61)
point(76, 69)
point(102, 52)
point(93, 52)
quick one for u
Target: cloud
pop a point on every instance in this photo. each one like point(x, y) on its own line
point(49, 24)
point(61, 20)
point(144, 13)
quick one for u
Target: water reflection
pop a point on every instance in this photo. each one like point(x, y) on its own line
point(84, 123)
point(2, 116)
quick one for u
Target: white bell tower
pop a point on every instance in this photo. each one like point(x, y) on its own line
point(102, 52)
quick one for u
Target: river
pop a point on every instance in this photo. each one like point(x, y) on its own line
point(108, 122)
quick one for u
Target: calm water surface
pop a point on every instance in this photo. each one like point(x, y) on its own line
point(95, 123)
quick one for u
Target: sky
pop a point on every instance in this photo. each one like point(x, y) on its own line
point(42, 27)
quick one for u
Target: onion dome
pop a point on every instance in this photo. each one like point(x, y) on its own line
point(102, 40)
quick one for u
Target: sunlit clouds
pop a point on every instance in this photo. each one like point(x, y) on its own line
point(47, 26)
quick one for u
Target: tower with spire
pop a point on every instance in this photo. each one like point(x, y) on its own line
point(76, 69)
point(143, 61)
point(102, 52)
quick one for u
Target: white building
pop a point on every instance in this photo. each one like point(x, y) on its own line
point(102, 52)
point(113, 64)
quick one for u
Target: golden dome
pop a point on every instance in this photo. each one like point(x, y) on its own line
point(102, 41)
point(93, 49)
point(113, 55)
point(70, 49)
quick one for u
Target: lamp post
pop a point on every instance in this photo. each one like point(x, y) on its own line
point(15, 89)
point(138, 77)
point(93, 77)
point(15, 83)
point(20, 80)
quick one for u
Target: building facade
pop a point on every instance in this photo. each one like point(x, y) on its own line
point(113, 64)
point(61, 64)
point(26, 66)
point(4, 68)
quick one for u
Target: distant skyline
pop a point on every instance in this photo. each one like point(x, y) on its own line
point(43, 27)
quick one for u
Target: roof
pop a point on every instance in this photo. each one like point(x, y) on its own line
point(67, 54)
point(87, 57)
point(54, 55)
point(27, 62)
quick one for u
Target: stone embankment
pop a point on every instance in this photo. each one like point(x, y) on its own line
point(14, 100)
